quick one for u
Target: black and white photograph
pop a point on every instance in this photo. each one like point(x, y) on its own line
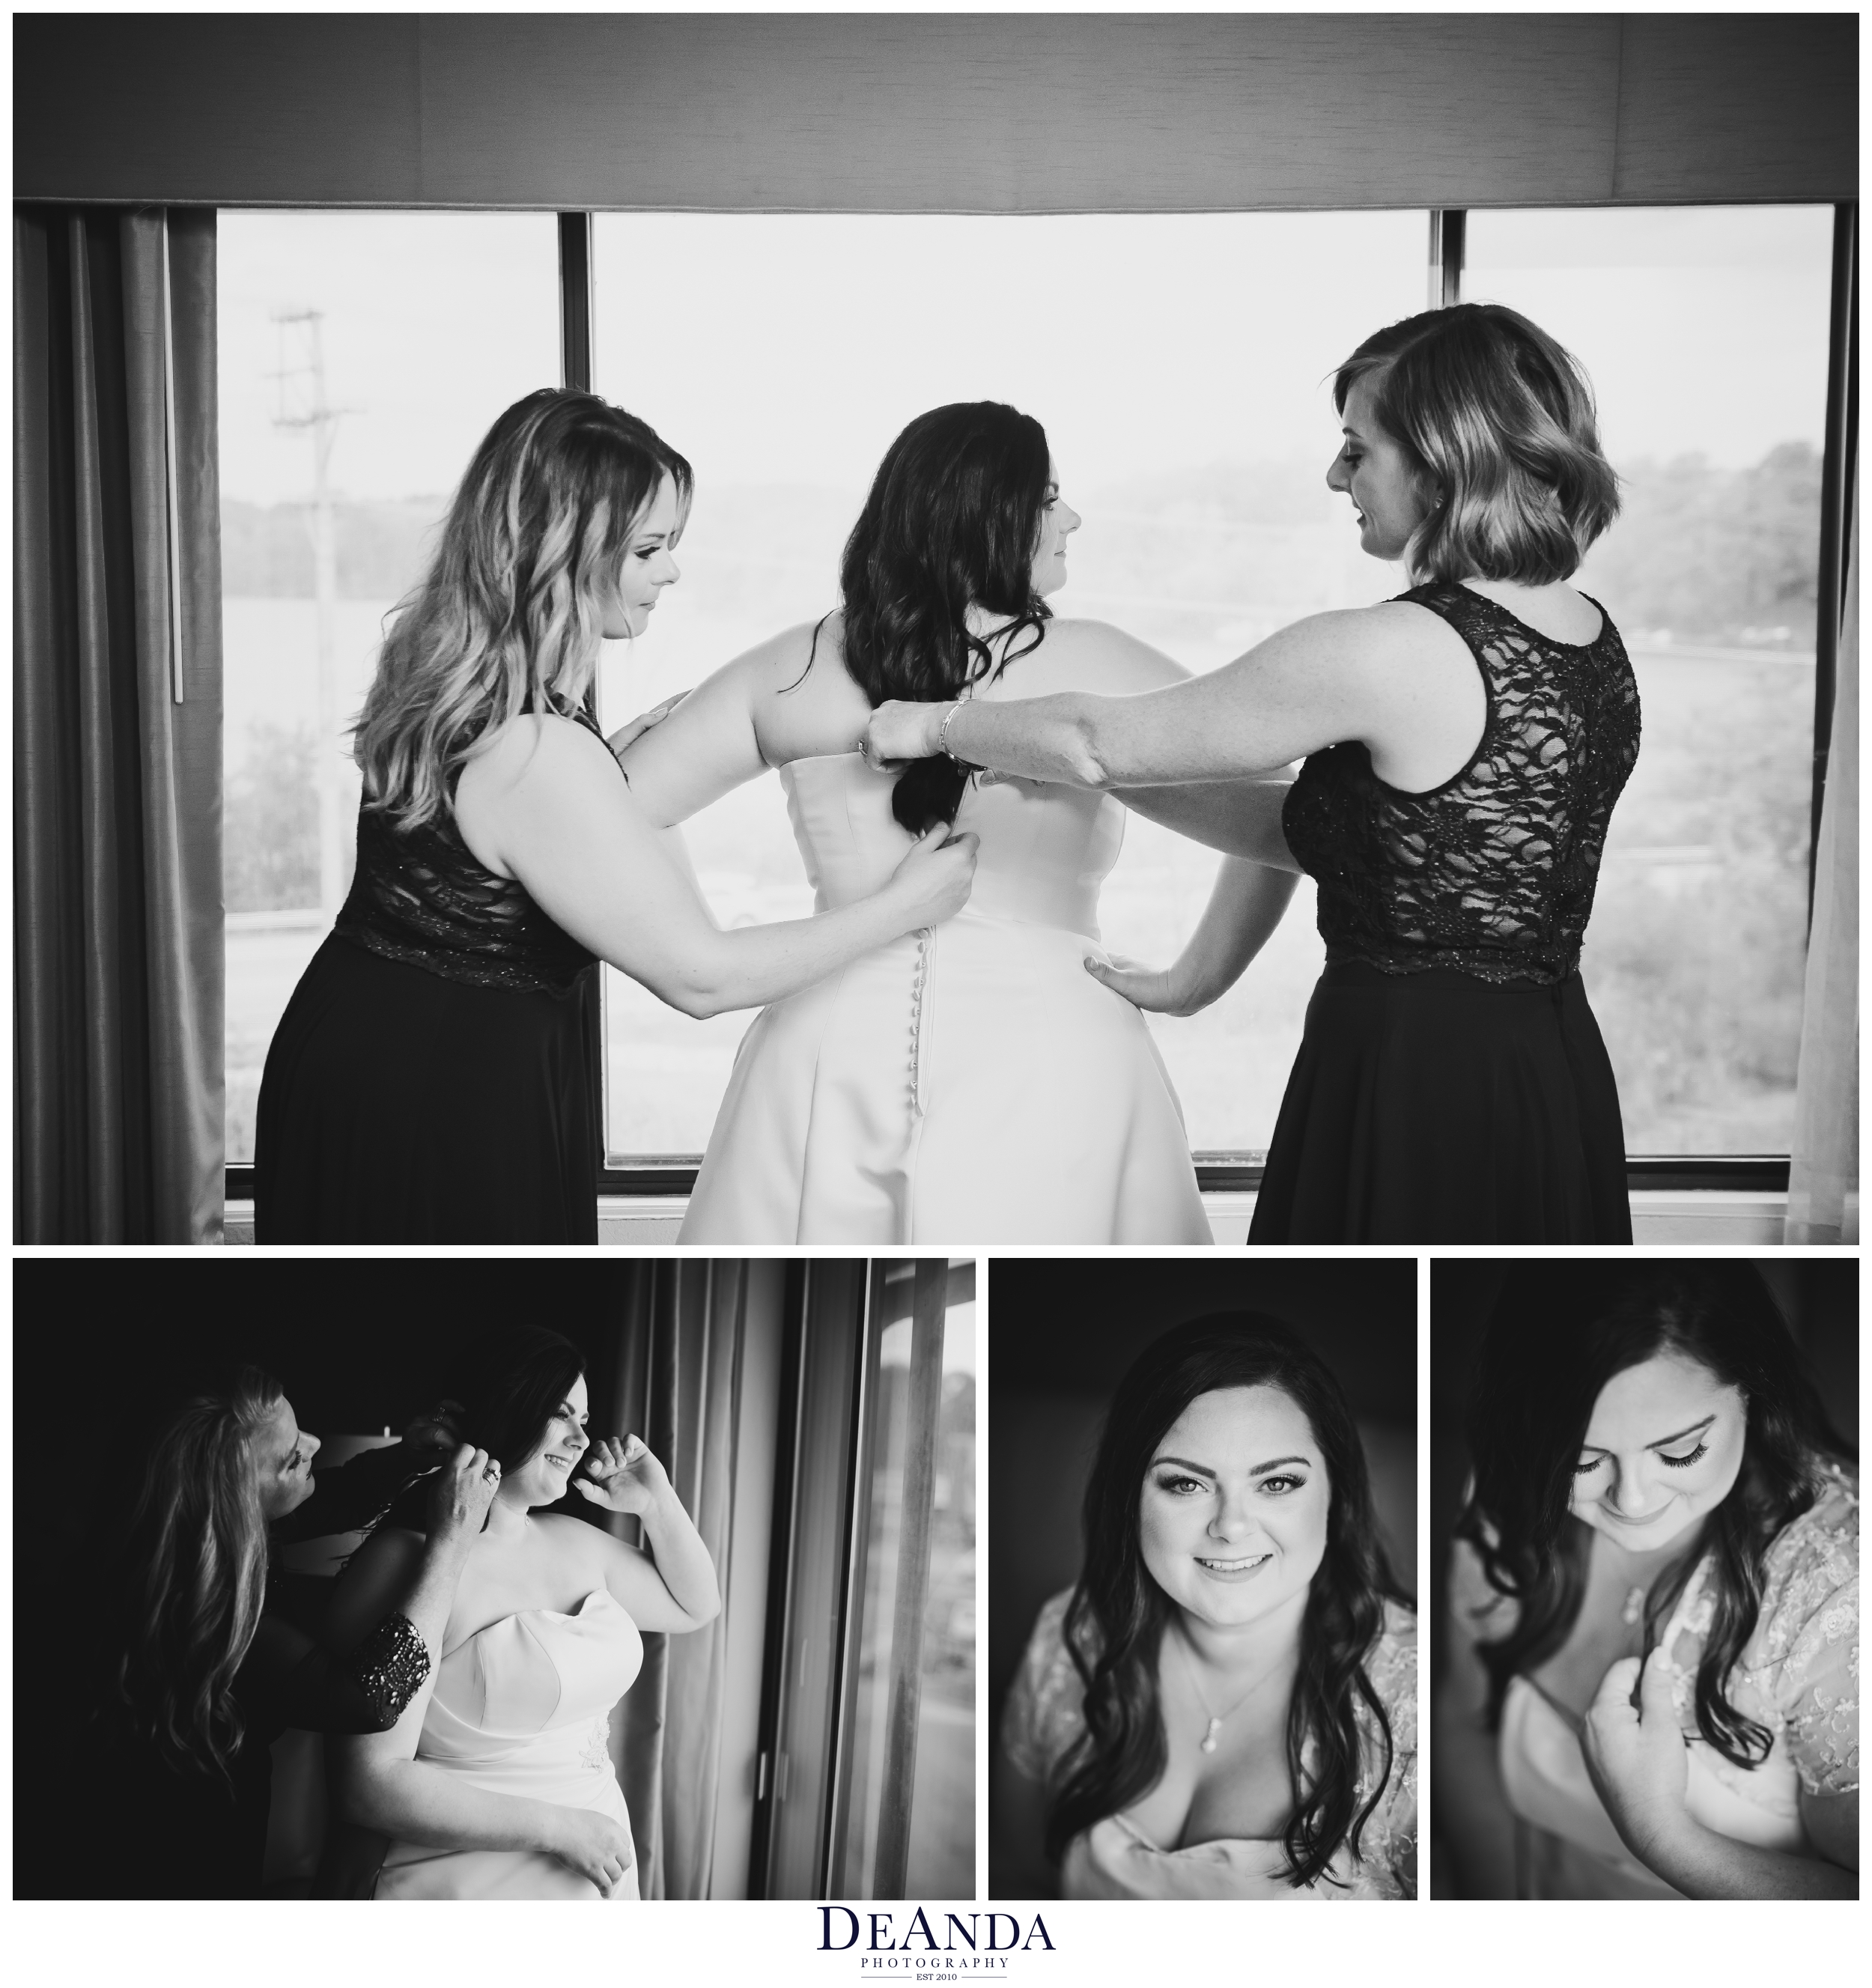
point(1262, 601)
point(648, 1580)
point(731, 725)
point(1202, 1575)
point(1645, 1495)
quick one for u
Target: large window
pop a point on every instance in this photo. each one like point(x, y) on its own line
point(1705, 331)
point(1181, 365)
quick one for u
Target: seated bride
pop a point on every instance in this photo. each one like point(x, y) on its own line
point(497, 1780)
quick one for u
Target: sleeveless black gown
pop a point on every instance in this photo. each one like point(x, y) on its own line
point(433, 1077)
point(1451, 1085)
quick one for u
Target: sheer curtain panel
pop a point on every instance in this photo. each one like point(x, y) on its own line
point(117, 729)
point(678, 1385)
point(1822, 1202)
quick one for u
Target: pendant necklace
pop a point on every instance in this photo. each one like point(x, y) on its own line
point(1211, 1738)
point(1633, 1609)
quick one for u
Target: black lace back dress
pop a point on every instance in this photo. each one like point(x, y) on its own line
point(1452, 1085)
point(432, 1078)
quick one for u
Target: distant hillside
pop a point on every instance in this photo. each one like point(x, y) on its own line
point(1701, 554)
point(267, 549)
point(1728, 556)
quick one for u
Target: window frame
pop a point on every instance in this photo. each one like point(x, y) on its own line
point(1240, 1171)
point(837, 1311)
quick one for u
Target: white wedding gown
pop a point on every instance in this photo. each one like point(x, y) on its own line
point(524, 1708)
point(971, 1083)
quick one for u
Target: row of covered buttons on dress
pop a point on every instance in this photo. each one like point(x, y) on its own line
point(919, 985)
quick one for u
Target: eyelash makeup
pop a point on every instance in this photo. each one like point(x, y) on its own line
point(1670, 1463)
point(1174, 1485)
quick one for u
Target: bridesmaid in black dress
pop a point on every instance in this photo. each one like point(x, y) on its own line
point(1464, 744)
point(434, 1078)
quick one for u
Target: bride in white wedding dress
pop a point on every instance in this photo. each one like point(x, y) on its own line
point(973, 1082)
point(496, 1782)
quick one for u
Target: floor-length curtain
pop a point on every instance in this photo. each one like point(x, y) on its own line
point(117, 958)
point(1823, 1180)
point(678, 1386)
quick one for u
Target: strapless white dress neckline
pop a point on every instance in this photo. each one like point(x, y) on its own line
point(522, 1707)
point(969, 1083)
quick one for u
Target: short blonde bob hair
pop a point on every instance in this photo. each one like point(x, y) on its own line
point(1498, 421)
point(509, 615)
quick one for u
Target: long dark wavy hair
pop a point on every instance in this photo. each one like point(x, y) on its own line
point(1115, 1619)
point(507, 1384)
point(951, 521)
point(1558, 1334)
point(192, 1578)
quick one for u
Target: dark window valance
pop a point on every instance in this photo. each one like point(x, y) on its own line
point(969, 113)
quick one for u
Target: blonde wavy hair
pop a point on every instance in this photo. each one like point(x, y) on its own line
point(1497, 420)
point(194, 1575)
point(508, 618)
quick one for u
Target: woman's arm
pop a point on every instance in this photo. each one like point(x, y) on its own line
point(706, 747)
point(1351, 674)
point(1243, 909)
point(361, 1679)
point(1239, 817)
point(1639, 1762)
point(544, 804)
point(671, 1586)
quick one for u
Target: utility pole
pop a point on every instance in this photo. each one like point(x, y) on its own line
point(302, 405)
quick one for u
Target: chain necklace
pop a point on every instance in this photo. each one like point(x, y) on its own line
point(1211, 1738)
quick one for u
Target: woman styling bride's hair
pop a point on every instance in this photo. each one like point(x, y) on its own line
point(496, 1781)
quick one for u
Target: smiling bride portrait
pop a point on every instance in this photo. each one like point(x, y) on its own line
point(1223, 1703)
point(1648, 1685)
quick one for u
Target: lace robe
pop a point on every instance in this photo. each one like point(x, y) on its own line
point(1798, 1676)
point(1042, 1722)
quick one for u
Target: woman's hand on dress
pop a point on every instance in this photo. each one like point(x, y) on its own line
point(1637, 1755)
point(1152, 988)
point(460, 1493)
point(621, 1475)
point(589, 1842)
point(627, 736)
point(899, 733)
point(937, 875)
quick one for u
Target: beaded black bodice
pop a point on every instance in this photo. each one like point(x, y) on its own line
point(420, 897)
point(1493, 872)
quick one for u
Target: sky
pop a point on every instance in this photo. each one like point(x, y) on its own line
point(787, 349)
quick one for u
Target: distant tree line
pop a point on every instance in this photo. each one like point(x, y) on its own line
point(1709, 554)
point(382, 547)
point(1726, 556)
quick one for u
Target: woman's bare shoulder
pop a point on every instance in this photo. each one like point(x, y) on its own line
point(1096, 656)
point(529, 746)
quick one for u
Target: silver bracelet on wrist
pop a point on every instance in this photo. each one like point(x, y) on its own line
point(942, 730)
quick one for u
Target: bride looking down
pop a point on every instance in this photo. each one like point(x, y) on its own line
point(497, 1780)
point(858, 1109)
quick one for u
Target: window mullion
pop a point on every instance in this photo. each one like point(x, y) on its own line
point(1449, 226)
